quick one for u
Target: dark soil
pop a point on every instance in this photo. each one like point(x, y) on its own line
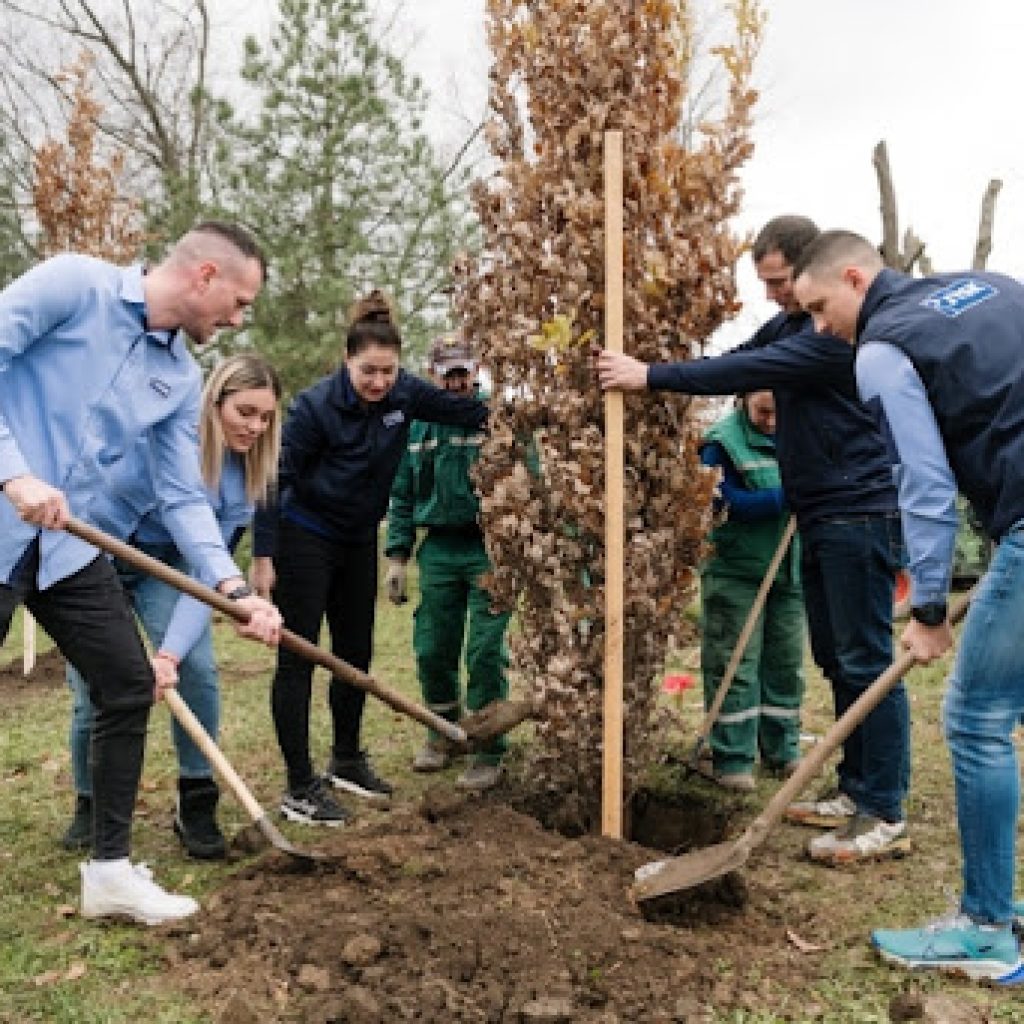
point(464, 909)
point(16, 687)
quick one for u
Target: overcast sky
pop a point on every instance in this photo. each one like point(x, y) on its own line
point(942, 81)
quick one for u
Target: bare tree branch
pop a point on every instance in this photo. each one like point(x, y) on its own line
point(983, 246)
point(890, 217)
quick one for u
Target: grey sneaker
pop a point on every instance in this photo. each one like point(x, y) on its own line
point(430, 758)
point(863, 837)
point(741, 781)
point(829, 811)
point(479, 777)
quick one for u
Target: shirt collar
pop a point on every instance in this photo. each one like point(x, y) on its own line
point(133, 294)
point(885, 283)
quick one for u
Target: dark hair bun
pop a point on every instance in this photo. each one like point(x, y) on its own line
point(374, 308)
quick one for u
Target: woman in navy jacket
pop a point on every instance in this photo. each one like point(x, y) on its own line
point(316, 549)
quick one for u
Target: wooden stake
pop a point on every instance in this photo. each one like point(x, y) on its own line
point(28, 641)
point(611, 803)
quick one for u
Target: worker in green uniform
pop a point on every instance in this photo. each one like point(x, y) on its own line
point(761, 713)
point(433, 491)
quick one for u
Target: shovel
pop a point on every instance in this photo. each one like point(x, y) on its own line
point(204, 742)
point(341, 669)
point(661, 877)
point(693, 763)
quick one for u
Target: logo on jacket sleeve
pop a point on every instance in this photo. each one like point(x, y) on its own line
point(960, 296)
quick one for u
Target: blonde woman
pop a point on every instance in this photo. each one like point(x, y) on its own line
point(239, 441)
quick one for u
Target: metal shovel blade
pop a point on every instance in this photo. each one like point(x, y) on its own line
point(691, 869)
point(279, 841)
point(497, 718)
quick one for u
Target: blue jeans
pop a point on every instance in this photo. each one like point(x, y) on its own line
point(984, 702)
point(849, 567)
point(198, 685)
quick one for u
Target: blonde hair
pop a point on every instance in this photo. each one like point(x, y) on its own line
point(242, 372)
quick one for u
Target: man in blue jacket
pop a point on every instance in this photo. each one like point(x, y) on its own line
point(92, 357)
point(943, 358)
point(837, 476)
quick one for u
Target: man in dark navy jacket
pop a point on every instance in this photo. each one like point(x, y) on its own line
point(943, 358)
point(837, 476)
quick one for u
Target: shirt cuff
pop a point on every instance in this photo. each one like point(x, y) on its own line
point(12, 463)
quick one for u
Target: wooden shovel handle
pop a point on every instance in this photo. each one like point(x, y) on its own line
point(744, 638)
point(812, 764)
point(341, 669)
point(204, 742)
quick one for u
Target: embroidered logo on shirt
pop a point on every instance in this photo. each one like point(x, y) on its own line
point(392, 419)
point(958, 297)
point(161, 387)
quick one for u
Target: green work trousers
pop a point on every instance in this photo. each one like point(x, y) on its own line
point(761, 713)
point(454, 607)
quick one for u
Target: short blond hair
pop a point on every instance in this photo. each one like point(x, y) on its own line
point(242, 372)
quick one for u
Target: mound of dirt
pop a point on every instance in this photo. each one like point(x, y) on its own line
point(48, 673)
point(464, 910)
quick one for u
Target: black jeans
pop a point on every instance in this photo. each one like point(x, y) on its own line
point(317, 577)
point(90, 620)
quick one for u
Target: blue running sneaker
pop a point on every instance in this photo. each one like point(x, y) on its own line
point(956, 944)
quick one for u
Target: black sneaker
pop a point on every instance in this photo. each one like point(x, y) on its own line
point(195, 819)
point(354, 775)
point(79, 833)
point(314, 805)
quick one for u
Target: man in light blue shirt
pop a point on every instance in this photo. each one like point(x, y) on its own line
point(943, 358)
point(93, 358)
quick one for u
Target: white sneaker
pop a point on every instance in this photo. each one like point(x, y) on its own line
point(830, 811)
point(863, 837)
point(123, 889)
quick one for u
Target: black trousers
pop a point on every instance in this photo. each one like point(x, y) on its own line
point(318, 578)
point(89, 618)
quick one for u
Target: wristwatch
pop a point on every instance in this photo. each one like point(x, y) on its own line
point(932, 615)
point(242, 590)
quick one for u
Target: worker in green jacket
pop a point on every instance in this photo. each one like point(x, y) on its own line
point(433, 491)
point(761, 714)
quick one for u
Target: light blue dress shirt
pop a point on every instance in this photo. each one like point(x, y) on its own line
point(233, 512)
point(81, 380)
point(927, 487)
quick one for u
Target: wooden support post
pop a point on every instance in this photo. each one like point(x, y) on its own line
point(28, 641)
point(614, 582)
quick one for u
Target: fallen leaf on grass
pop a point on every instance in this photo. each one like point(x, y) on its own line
point(77, 969)
point(802, 944)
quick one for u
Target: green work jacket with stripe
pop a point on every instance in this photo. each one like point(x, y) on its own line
point(746, 548)
point(432, 487)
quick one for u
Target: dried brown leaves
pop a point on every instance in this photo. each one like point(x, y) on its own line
point(77, 198)
point(536, 296)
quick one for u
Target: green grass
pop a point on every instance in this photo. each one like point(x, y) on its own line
point(125, 980)
point(39, 880)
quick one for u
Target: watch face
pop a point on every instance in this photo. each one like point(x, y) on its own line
point(930, 614)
